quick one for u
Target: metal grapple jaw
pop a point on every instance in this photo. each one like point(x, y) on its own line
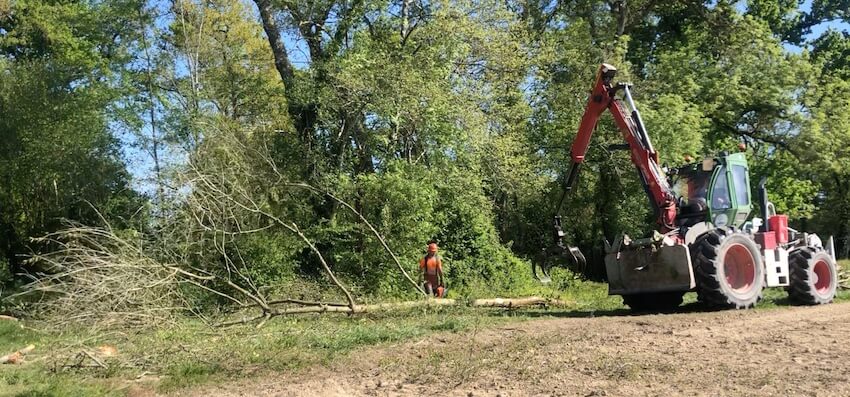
point(549, 258)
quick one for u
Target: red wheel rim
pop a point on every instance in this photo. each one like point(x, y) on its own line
point(739, 267)
point(823, 277)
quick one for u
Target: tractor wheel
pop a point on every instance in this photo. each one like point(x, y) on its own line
point(654, 302)
point(813, 276)
point(728, 269)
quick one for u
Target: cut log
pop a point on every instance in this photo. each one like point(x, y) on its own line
point(518, 302)
point(404, 305)
point(16, 357)
point(491, 302)
point(368, 308)
point(7, 318)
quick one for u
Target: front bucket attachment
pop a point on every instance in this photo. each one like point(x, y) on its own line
point(655, 264)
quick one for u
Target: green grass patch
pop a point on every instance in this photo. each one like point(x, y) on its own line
point(289, 344)
point(192, 353)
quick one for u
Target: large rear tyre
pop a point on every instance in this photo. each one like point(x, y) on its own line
point(654, 302)
point(728, 269)
point(813, 276)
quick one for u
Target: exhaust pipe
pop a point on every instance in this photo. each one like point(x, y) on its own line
point(765, 226)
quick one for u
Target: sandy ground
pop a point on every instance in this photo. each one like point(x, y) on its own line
point(786, 351)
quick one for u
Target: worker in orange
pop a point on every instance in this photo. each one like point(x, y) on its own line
point(432, 272)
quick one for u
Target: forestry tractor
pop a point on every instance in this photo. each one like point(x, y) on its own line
point(705, 240)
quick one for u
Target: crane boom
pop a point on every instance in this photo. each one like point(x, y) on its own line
point(643, 155)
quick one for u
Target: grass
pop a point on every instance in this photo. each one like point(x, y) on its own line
point(36, 377)
point(191, 353)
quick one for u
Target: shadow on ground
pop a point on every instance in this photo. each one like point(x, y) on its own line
point(693, 307)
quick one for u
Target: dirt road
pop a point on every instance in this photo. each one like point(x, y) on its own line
point(784, 351)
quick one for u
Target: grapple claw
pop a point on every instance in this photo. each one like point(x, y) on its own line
point(578, 263)
point(574, 258)
point(540, 268)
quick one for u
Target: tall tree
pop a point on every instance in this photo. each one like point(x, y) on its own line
point(61, 63)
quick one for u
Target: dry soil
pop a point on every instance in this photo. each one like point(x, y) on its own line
point(782, 351)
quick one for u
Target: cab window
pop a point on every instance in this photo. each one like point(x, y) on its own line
point(692, 187)
point(720, 199)
point(742, 191)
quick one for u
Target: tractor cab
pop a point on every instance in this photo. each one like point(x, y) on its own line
point(716, 190)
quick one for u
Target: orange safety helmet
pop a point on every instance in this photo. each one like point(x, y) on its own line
point(432, 247)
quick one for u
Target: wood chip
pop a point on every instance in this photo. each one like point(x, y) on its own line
point(107, 350)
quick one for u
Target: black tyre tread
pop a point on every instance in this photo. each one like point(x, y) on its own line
point(654, 302)
point(798, 264)
point(704, 252)
point(704, 249)
point(800, 288)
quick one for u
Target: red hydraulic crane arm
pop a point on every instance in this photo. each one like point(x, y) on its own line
point(643, 155)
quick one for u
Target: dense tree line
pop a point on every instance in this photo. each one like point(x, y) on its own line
point(436, 120)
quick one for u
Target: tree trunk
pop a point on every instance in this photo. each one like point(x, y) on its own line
point(281, 58)
point(304, 115)
point(155, 141)
point(405, 19)
point(618, 7)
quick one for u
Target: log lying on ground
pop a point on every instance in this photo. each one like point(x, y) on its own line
point(7, 318)
point(518, 302)
point(16, 357)
point(317, 307)
point(491, 302)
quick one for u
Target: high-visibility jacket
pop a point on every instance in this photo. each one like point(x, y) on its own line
point(430, 266)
